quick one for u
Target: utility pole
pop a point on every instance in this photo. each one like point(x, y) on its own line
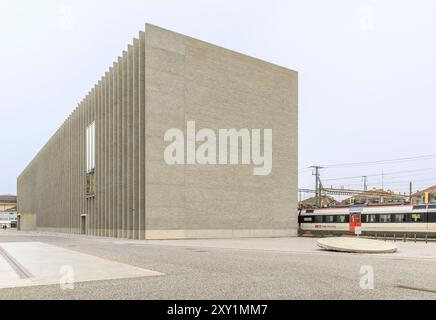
point(318, 198)
point(365, 187)
point(410, 192)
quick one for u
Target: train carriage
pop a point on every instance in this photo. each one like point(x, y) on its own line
point(380, 219)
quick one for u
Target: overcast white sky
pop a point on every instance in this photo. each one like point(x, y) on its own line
point(367, 71)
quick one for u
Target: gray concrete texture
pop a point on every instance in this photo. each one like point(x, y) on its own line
point(225, 269)
point(160, 82)
point(26, 222)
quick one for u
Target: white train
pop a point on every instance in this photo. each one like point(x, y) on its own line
point(400, 220)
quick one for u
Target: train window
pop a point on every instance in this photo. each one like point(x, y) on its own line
point(432, 206)
point(419, 207)
point(329, 219)
point(385, 218)
point(370, 218)
point(432, 217)
point(417, 217)
point(318, 219)
point(307, 219)
point(399, 217)
point(341, 219)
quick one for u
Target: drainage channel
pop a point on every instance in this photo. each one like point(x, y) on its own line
point(18, 268)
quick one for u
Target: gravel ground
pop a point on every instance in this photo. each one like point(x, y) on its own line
point(216, 273)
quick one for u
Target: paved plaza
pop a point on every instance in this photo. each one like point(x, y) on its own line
point(37, 265)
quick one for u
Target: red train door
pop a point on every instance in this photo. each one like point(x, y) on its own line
point(355, 219)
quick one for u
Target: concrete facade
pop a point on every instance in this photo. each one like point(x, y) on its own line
point(26, 222)
point(160, 82)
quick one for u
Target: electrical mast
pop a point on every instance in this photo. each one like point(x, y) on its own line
point(318, 197)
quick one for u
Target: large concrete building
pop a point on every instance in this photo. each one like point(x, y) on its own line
point(103, 172)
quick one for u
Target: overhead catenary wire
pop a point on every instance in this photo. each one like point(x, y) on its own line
point(388, 178)
point(370, 163)
point(378, 162)
point(381, 174)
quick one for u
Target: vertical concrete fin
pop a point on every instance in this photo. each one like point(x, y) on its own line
point(130, 141)
point(136, 139)
point(142, 140)
point(124, 159)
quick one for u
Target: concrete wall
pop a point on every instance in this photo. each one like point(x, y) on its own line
point(26, 222)
point(160, 82)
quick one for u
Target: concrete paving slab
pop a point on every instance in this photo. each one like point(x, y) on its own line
point(282, 268)
point(302, 245)
point(356, 245)
point(7, 273)
point(36, 263)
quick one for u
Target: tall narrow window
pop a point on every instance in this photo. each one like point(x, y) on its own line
point(90, 159)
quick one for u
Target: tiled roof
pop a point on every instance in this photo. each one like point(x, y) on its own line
point(431, 190)
point(8, 199)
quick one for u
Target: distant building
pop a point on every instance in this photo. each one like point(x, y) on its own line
point(8, 203)
point(374, 196)
point(8, 219)
point(419, 196)
point(326, 201)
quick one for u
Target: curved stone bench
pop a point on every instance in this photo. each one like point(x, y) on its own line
point(356, 245)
